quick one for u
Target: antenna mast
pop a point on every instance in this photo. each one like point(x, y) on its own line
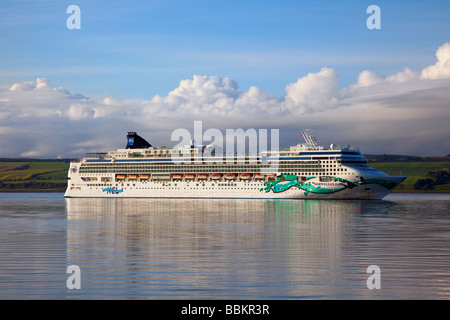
point(311, 140)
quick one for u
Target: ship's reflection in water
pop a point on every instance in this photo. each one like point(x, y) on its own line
point(256, 249)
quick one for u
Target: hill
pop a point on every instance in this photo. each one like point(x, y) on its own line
point(33, 175)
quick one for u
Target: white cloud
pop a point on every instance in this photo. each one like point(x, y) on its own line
point(442, 67)
point(24, 86)
point(314, 92)
point(256, 101)
point(403, 76)
point(398, 113)
point(79, 111)
point(369, 78)
point(42, 83)
point(39, 84)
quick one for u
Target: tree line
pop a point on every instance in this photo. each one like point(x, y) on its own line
point(434, 178)
point(32, 185)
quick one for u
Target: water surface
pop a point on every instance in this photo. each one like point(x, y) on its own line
point(224, 249)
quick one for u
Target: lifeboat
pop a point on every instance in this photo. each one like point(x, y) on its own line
point(121, 176)
point(245, 176)
point(177, 176)
point(230, 176)
point(272, 175)
point(202, 176)
point(132, 176)
point(216, 176)
point(260, 176)
point(190, 176)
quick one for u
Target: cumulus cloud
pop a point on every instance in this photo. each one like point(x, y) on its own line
point(198, 96)
point(215, 97)
point(24, 86)
point(442, 67)
point(313, 92)
point(406, 112)
point(369, 78)
point(403, 76)
point(39, 84)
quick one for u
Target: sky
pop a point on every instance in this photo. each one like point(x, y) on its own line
point(156, 66)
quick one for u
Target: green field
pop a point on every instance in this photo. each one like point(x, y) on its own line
point(414, 171)
point(33, 176)
point(52, 175)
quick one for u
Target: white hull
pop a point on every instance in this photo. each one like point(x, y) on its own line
point(224, 189)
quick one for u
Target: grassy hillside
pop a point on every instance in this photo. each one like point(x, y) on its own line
point(33, 176)
point(415, 170)
point(52, 175)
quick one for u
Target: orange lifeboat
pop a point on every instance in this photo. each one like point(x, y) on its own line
point(177, 176)
point(216, 176)
point(230, 176)
point(202, 176)
point(260, 176)
point(245, 176)
point(190, 176)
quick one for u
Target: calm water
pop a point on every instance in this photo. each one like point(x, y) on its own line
point(224, 249)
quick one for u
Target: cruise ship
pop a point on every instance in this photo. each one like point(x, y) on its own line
point(304, 171)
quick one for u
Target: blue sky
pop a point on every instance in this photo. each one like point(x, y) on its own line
point(154, 66)
point(143, 48)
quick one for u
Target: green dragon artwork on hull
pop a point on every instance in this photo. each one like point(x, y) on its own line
point(308, 187)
